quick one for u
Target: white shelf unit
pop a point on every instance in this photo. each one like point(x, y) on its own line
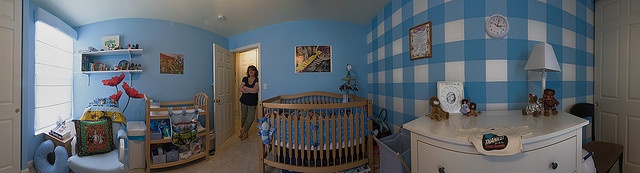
point(130, 52)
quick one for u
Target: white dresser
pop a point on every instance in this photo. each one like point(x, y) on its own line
point(554, 144)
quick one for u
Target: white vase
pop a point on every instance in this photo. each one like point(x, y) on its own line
point(345, 98)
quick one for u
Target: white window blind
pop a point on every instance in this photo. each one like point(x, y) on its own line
point(53, 77)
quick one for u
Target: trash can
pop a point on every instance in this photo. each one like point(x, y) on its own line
point(395, 152)
point(136, 131)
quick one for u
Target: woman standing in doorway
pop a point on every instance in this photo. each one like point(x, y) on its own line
point(249, 100)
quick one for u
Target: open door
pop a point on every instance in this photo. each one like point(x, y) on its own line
point(617, 77)
point(223, 72)
point(10, 87)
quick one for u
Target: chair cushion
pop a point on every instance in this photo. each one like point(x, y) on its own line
point(94, 137)
point(103, 163)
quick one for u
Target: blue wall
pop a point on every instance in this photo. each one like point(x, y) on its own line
point(492, 69)
point(155, 37)
point(29, 141)
point(277, 44)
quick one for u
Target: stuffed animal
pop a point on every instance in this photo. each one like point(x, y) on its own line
point(533, 107)
point(472, 109)
point(436, 111)
point(549, 102)
point(265, 130)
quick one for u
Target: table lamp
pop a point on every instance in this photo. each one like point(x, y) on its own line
point(542, 59)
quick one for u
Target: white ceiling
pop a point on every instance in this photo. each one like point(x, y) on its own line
point(239, 15)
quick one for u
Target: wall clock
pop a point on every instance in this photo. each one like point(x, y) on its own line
point(496, 26)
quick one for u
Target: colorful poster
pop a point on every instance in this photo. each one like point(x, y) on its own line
point(313, 59)
point(171, 63)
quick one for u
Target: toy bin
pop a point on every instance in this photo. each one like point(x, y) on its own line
point(136, 131)
point(395, 152)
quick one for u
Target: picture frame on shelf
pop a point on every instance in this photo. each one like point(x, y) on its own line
point(111, 42)
point(420, 41)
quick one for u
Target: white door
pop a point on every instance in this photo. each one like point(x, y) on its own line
point(617, 77)
point(244, 59)
point(10, 77)
point(223, 63)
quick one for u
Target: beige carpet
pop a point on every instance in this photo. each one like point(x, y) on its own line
point(232, 156)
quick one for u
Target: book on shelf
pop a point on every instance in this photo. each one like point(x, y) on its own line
point(60, 131)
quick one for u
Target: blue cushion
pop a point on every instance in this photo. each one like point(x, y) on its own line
point(40, 158)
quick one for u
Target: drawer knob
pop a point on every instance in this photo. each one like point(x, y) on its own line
point(441, 170)
point(554, 165)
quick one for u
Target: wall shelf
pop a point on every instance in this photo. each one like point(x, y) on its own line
point(87, 59)
point(114, 52)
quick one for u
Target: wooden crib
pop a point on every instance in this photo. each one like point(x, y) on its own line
point(316, 132)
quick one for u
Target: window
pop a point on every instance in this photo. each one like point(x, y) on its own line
point(53, 77)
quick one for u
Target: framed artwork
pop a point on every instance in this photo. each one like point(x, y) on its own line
point(420, 41)
point(312, 59)
point(110, 42)
point(171, 63)
point(450, 95)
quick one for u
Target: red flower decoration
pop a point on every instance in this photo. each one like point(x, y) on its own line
point(116, 96)
point(133, 93)
point(114, 81)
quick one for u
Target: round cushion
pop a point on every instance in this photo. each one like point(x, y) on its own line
point(40, 158)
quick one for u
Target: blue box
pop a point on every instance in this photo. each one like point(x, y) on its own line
point(156, 135)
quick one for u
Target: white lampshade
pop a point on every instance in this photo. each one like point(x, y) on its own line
point(542, 59)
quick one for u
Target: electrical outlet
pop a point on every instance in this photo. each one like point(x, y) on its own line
point(264, 86)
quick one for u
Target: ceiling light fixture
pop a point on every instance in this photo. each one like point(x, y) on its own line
point(221, 18)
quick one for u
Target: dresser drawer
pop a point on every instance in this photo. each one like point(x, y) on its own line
point(429, 158)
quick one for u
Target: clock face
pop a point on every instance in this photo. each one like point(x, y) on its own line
point(497, 26)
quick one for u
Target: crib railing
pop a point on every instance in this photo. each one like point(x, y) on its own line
point(315, 132)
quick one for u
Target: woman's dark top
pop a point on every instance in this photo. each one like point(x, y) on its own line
point(249, 99)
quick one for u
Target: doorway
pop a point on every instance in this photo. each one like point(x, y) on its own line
point(245, 56)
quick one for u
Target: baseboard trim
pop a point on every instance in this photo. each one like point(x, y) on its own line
point(29, 167)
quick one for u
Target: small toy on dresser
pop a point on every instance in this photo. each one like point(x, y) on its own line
point(533, 107)
point(549, 102)
point(436, 111)
point(464, 107)
point(468, 108)
point(472, 111)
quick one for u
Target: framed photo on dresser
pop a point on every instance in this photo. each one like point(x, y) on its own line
point(450, 94)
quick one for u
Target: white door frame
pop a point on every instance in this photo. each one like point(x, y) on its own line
point(237, 93)
point(258, 64)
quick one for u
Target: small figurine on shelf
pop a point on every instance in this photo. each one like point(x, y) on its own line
point(464, 107)
point(533, 107)
point(436, 111)
point(137, 47)
point(549, 102)
point(472, 107)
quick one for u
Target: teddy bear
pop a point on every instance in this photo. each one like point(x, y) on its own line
point(436, 111)
point(533, 107)
point(472, 109)
point(549, 102)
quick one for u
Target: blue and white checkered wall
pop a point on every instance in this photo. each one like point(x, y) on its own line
point(492, 69)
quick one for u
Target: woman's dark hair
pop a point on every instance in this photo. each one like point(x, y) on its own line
point(251, 67)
